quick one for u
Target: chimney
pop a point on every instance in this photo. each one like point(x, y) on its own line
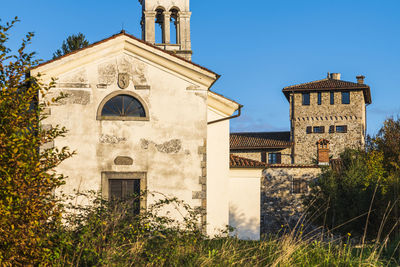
point(323, 152)
point(360, 79)
point(335, 76)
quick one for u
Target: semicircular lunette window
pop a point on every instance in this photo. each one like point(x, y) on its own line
point(123, 106)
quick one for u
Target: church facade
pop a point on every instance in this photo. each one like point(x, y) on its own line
point(141, 117)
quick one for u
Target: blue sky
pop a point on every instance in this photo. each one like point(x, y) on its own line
point(258, 48)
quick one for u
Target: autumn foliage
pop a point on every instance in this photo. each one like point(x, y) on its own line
point(28, 207)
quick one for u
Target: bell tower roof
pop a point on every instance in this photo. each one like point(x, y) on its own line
point(173, 16)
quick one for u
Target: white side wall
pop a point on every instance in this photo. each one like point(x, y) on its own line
point(244, 203)
point(217, 173)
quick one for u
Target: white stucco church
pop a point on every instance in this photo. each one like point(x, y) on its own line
point(142, 116)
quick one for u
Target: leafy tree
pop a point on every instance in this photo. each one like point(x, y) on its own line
point(28, 207)
point(72, 43)
point(357, 192)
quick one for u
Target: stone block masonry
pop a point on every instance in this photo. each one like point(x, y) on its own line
point(280, 204)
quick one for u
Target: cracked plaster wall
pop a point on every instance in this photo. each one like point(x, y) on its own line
point(165, 147)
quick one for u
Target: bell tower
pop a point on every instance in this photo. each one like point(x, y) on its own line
point(173, 16)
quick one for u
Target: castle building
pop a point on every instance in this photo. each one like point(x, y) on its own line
point(329, 109)
point(326, 116)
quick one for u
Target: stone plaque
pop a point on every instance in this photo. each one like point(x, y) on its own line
point(123, 161)
point(123, 80)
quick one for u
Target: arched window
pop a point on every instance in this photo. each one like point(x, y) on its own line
point(174, 26)
point(125, 106)
point(159, 31)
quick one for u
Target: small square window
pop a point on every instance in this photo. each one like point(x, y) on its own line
point(274, 158)
point(332, 98)
point(309, 129)
point(318, 129)
point(332, 129)
point(345, 97)
point(306, 99)
point(319, 98)
point(341, 129)
point(299, 186)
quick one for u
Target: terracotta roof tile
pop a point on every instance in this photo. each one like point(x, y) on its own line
point(329, 85)
point(260, 140)
point(239, 162)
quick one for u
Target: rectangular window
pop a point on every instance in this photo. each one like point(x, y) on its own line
point(264, 157)
point(332, 129)
point(309, 129)
point(274, 158)
point(341, 129)
point(306, 99)
point(319, 98)
point(319, 129)
point(125, 189)
point(345, 97)
point(299, 186)
point(332, 98)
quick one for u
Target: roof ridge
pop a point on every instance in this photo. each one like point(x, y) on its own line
point(299, 84)
point(260, 132)
point(123, 33)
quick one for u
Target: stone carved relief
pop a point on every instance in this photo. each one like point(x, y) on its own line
point(136, 71)
point(107, 73)
point(170, 147)
point(123, 80)
point(111, 139)
point(76, 77)
point(79, 97)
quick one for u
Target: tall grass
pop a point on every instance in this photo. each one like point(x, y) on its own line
point(102, 234)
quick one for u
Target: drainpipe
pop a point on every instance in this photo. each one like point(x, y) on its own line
point(228, 118)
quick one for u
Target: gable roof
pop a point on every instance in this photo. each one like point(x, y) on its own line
point(239, 162)
point(260, 140)
point(329, 84)
point(140, 45)
point(131, 36)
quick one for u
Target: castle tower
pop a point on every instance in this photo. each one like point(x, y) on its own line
point(331, 110)
point(173, 16)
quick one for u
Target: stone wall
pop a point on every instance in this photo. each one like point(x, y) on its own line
point(256, 154)
point(279, 205)
point(352, 115)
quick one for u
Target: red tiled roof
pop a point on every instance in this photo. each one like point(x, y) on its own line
point(239, 162)
point(294, 166)
point(328, 85)
point(260, 140)
point(133, 37)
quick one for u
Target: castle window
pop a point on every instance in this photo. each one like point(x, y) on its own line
point(332, 98)
point(319, 98)
point(274, 158)
point(299, 186)
point(345, 97)
point(264, 157)
point(125, 106)
point(332, 129)
point(309, 129)
point(341, 129)
point(319, 129)
point(306, 99)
